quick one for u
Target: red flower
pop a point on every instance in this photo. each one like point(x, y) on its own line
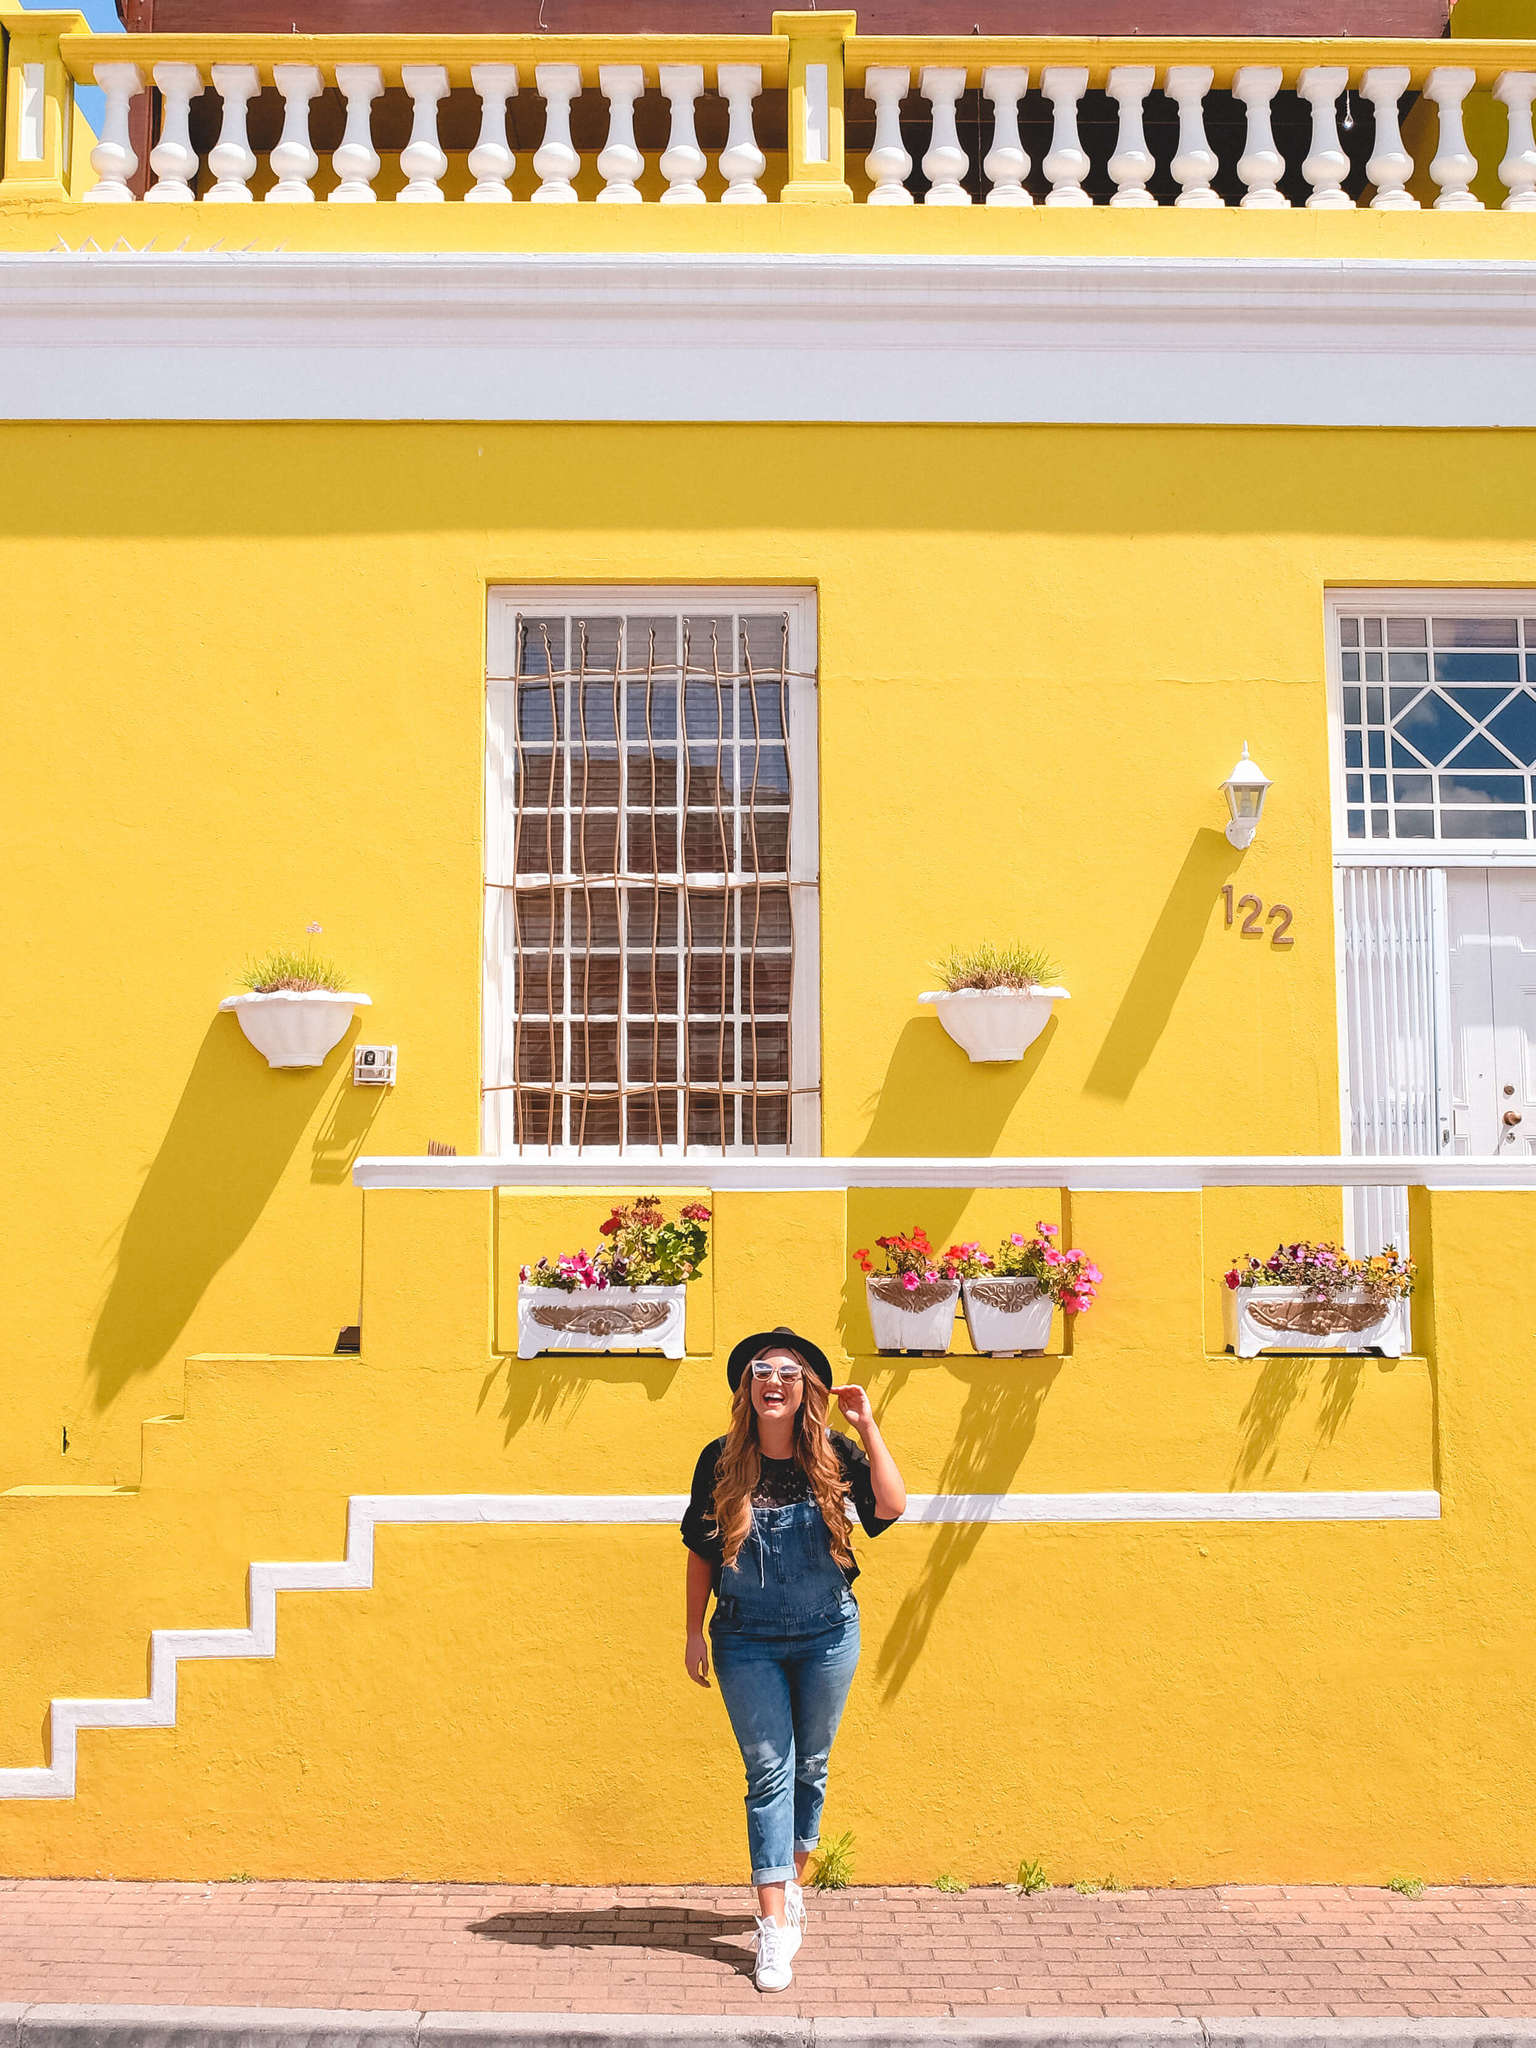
point(695, 1212)
point(610, 1226)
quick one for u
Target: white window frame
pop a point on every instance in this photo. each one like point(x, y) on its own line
point(1398, 853)
point(504, 603)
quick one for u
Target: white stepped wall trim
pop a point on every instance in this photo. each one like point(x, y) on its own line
point(124, 334)
point(1180, 1174)
point(365, 1513)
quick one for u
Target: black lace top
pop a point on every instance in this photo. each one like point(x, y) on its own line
point(782, 1483)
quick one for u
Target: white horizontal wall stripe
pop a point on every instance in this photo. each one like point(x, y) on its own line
point(365, 1513)
point(126, 334)
point(1134, 1175)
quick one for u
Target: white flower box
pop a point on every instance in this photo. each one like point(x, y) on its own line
point(920, 1318)
point(295, 1027)
point(1007, 1314)
point(601, 1319)
point(1293, 1319)
point(995, 1023)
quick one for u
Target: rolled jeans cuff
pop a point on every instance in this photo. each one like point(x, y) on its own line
point(804, 1848)
point(778, 1873)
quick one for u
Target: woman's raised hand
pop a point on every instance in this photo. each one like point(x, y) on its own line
point(696, 1658)
point(854, 1403)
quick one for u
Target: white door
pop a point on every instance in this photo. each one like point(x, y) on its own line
point(1492, 937)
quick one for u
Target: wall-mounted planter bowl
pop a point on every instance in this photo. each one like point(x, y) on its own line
point(1007, 1315)
point(600, 1319)
point(294, 1027)
point(1289, 1319)
point(920, 1318)
point(995, 1023)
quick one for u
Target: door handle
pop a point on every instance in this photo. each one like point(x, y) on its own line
point(1512, 1116)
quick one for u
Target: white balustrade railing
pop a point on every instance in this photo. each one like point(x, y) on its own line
point(1006, 123)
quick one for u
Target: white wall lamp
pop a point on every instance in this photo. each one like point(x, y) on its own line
point(1245, 790)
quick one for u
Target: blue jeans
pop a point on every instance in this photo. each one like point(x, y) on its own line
point(786, 1643)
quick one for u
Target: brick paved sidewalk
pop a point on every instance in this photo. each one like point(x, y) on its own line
point(1234, 1950)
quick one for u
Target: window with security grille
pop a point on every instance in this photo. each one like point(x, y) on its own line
point(1438, 716)
point(651, 914)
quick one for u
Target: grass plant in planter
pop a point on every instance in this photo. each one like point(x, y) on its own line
point(1011, 1294)
point(912, 1301)
point(996, 1000)
point(628, 1295)
point(1314, 1297)
point(294, 1007)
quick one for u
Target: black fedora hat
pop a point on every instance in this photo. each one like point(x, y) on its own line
point(811, 1356)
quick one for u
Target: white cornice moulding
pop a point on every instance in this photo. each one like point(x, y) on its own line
point(1135, 1175)
point(977, 339)
point(365, 1512)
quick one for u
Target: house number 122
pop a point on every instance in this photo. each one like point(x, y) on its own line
point(1257, 917)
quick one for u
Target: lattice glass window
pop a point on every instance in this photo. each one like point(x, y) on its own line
point(651, 917)
point(1439, 723)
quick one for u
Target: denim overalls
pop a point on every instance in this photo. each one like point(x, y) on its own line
point(786, 1640)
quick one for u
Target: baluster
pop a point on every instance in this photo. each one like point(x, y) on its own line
point(1007, 161)
point(620, 162)
point(683, 163)
point(946, 162)
point(355, 160)
point(113, 159)
point(231, 159)
point(742, 163)
point(491, 159)
point(888, 163)
point(1454, 166)
point(173, 159)
point(555, 160)
point(1132, 163)
point(1518, 170)
point(1390, 166)
point(294, 159)
point(1261, 165)
point(1194, 162)
point(423, 159)
point(1066, 165)
point(1326, 165)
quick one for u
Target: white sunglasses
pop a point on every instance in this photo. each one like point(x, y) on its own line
point(762, 1369)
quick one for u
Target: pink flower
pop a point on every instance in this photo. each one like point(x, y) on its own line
point(1072, 1303)
point(909, 1281)
point(1017, 1238)
point(1047, 1230)
point(1091, 1272)
point(314, 928)
point(1233, 1279)
point(1052, 1257)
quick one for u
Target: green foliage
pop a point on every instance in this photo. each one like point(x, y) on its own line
point(1112, 1884)
point(989, 965)
point(1031, 1877)
point(290, 967)
point(1406, 1887)
point(833, 1869)
point(1087, 1887)
point(641, 1247)
point(240, 1877)
point(946, 1881)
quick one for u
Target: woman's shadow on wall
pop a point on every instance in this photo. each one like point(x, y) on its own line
point(233, 1132)
point(992, 1438)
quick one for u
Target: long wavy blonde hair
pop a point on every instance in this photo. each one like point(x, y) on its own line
point(741, 1462)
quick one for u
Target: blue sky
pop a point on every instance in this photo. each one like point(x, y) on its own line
point(102, 15)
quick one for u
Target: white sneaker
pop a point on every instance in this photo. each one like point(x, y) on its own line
point(794, 1903)
point(776, 1947)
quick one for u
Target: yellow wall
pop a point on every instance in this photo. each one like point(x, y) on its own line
point(1310, 1701)
point(244, 673)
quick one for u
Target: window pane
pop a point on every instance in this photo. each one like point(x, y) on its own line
point(1349, 632)
point(1415, 824)
point(540, 646)
point(1408, 668)
point(1483, 825)
point(1352, 705)
point(1515, 727)
point(1476, 633)
point(1413, 789)
point(1406, 633)
point(1477, 668)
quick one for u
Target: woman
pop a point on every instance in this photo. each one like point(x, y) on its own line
point(767, 1533)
